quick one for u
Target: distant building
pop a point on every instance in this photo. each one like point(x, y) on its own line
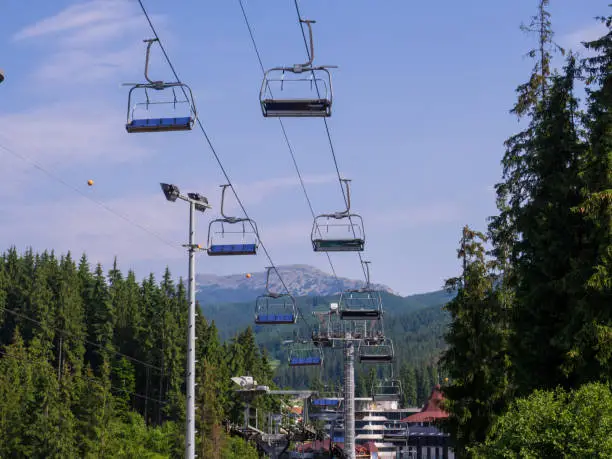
point(383, 430)
point(425, 440)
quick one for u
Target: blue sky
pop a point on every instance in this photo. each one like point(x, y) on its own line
point(420, 114)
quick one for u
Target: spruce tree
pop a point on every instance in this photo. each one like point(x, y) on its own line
point(590, 356)
point(476, 359)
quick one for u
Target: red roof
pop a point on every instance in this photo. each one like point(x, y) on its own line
point(431, 410)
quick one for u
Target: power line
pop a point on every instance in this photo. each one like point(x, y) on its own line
point(329, 138)
point(214, 152)
point(85, 195)
point(66, 332)
point(285, 136)
point(95, 381)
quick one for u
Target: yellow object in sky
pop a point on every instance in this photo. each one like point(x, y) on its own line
point(90, 182)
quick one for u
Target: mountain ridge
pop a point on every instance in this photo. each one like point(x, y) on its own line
point(300, 279)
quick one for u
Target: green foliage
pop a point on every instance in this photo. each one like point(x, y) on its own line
point(554, 423)
point(476, 359)
point(236, 448)
point(537, 317)
point(92, 365)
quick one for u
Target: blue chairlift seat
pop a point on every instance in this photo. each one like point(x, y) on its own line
point(273, 319)
point(232, 249)
point(305, 361)
point(325, 402)
point(160, 124)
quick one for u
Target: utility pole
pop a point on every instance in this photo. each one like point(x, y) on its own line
point(190, 428)
point(199, 203)
point(349, 397)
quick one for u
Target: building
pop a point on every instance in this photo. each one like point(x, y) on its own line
point(424, 438)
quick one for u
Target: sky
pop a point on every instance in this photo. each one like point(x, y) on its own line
point(422, 95)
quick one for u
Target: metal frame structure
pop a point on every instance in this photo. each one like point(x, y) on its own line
point(293, 107)
point(302, 354)
point(388, 389)
point(283, 306)
point(355, 242)
point(198, 203)
point(377, 353)
point(184, 123)
point(231, 249)
point(361, 304)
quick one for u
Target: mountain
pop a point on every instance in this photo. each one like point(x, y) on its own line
point(301, 280)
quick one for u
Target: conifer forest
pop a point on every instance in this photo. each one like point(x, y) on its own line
point(93, 360)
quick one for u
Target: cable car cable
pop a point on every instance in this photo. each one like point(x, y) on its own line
point(214, 152)
point(284, 131)
point(329, 138)
point(57, 178)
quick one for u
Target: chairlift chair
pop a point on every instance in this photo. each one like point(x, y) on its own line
point(377, 353)
point(361, 304)
point(224, 240)
point(322, 334)
point(318, 105)
point(275, 308)
point(327, 398)
point(304, 354)
point(184, 122)
point(375, 332)
point(387, 390)
point(340, 231)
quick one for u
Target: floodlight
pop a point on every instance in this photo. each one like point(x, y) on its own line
point(170, 191)
point(333, 306)
point(201, 201)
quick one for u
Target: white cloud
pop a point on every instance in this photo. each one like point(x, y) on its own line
point(574, 39)
point(89, 42)
point(73, 131)
point(80, 225)
point(76, 66)
point(75, 17)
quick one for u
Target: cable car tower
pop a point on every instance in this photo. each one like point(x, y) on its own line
point(291, 79)
point(158, 123)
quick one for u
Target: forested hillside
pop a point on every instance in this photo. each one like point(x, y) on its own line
point(93, 363)
point(416, 325)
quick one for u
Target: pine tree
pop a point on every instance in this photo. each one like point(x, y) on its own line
point(209, 412)
point(476, 358)
point(547, 289)
point(590, 356)
point(407, 377)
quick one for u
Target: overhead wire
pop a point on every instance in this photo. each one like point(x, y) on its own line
point(95, 381)
point(85, 195)
point(285, 136)
point(329, 137)
point(67, 333)
point(217, 158)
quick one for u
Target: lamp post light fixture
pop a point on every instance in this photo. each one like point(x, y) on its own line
point(199, 203)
